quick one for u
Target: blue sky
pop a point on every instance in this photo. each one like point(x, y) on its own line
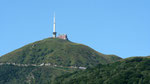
point(119, 27)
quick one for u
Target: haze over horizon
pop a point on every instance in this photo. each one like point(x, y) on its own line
point(110, 27)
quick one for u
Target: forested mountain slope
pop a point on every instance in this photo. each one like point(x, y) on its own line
point(135, 70)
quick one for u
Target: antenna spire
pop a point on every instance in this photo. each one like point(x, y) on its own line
point(54, 27)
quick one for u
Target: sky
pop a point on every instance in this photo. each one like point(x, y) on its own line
point(119, 27)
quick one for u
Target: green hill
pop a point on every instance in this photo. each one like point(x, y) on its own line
point(135, 70)
point(59, 52)
point(62, 53)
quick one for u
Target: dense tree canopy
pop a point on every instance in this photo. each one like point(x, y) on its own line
point(128, 71)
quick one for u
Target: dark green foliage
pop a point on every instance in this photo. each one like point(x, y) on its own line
point(59, 52)
point(10, 74)
point(128, 71)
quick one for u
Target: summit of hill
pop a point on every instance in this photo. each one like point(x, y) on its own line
point(59, 52)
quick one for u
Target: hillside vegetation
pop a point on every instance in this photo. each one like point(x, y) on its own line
point(10, 74)
point(59, 52)
point(135, 70)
